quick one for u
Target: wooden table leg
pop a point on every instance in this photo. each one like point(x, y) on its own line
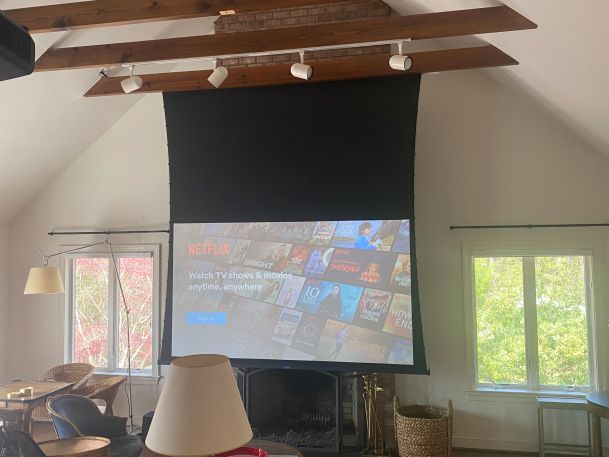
point(596, 432)
point(27, 418)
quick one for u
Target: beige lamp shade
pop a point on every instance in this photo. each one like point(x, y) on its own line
point(43, 280)
point(200, 411)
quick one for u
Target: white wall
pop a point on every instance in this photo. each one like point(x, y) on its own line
point(119, 182)
point(484, 155)
point(4, 272)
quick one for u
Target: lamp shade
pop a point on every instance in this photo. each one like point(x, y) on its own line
point(43, 280)
point(200, 411)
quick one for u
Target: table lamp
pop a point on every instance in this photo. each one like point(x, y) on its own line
point(200, 412)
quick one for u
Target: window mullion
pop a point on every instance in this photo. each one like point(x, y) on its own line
point(530, 321)
point(111, 317)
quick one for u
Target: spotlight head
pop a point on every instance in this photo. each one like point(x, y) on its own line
point(218, 76)
point(401, 63)
point(302, 71)
point(131, 84)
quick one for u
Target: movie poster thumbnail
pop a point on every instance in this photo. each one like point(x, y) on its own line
point(292, 232)
point(265, 255)
point(401, 352)
point(254, 317)
point(273, 351)
point(228, 303)
point(268, 288)
point(241, 344)
point(373, 308)
point(308, 333)
point(290, 291)
point(402, 240)
point(293, 354)
point(357, 235)
point(252, 230)
point(399, 318)
point(323, 233)
point(297, 259)
point(329, 299)
point(400, 276)
point(318, 262)
point(238, 251)
point(346, 343)
point(286, 326)
point(353, 266)
point(366, 235)
point(219, 229)
point(226, 276)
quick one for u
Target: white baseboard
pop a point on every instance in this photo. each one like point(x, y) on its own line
point(470, 442)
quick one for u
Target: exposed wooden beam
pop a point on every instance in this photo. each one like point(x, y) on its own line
point(324, 70)
point(103, 13)
point(421, 26)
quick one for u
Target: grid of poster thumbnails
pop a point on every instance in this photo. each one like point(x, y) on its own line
point(316, 291)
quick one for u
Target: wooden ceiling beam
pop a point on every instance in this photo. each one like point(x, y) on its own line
point(421, 26)
point(104, 13)
point(342, 68)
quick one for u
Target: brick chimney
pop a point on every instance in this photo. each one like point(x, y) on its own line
point(293, 17)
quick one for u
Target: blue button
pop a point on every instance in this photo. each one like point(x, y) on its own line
point(206, 318)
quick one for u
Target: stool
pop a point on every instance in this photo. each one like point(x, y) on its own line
point(572, 404)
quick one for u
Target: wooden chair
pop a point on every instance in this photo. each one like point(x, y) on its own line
point(105, 389)
point(78, 373)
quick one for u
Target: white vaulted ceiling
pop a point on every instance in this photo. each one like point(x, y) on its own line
point(46, 123)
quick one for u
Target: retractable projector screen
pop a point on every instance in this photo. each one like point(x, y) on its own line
point(292, 217)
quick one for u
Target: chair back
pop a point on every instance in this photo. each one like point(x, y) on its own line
point(77, 373)
point(73, 415)
point(105, 389)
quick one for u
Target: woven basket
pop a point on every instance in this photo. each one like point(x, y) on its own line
point(422, 430)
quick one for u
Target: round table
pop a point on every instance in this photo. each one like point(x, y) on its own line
point(598, 407)
point(89, 446)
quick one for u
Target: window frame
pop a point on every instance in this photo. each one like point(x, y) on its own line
point(120, 250)
point(528, 251)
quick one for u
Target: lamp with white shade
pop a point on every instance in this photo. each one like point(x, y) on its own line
point(200, 412)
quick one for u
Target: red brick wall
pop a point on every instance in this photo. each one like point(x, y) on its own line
point(293, 17)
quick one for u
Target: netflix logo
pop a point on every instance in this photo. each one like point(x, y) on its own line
point(209, 249)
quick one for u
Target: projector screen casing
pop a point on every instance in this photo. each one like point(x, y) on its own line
point(248, 155)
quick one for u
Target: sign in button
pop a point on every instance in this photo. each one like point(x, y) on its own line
point(206, 318)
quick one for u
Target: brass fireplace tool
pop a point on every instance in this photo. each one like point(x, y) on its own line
point(375, 439)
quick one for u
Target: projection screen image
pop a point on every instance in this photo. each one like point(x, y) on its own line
point(328, 291)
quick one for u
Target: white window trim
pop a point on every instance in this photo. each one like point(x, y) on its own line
point(596, 316)
point(67, 317)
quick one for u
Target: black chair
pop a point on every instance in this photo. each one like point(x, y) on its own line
point(15, 443)
point(75, 415)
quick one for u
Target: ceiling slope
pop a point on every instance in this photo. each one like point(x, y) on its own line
point(563, 63)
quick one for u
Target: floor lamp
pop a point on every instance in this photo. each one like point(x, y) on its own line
point(46, 280)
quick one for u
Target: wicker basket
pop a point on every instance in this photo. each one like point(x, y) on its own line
point(422, 430)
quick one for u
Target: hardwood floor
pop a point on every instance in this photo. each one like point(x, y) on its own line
point(44, 431)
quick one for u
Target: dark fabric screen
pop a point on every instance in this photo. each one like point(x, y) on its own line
point(327, 151)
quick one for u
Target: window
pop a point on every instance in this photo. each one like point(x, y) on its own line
point(531, 320)
point(96, 313)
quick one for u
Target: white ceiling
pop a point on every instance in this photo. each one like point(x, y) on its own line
point(46, 123)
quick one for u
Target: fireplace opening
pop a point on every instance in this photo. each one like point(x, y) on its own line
point(310, 410)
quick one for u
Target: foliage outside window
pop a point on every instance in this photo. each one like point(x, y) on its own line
point(98, 328)
point(532, 321)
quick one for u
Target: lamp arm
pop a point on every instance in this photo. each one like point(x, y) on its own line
point(80, 248)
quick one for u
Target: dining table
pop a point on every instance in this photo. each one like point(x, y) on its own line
point(23, 406)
